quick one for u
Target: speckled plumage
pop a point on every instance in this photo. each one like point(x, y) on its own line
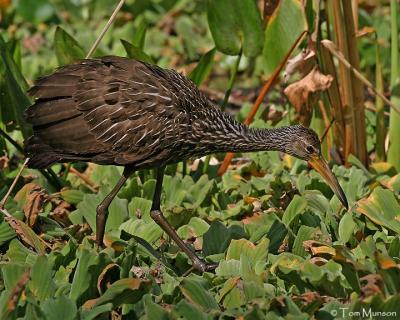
point(115, 110)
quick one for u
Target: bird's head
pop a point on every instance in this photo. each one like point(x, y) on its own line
point(303, 143)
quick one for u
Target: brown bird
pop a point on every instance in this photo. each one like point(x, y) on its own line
point(120, 111)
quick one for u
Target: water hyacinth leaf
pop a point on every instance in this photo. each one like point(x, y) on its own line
point(198, 295)
point(203, 68)
point(284, 27)
point(129, 290)
point(218, 237)
point(13, 100)
point(346, 227)
point(94, 313)
point(236, 24)
point(304, 233)
point(254, 253)
point(382, 208)
point(136, 53)
point(67, 49)
point(60, 307)
point(153, 310)
point(118, 210)
point(6, 233)
point(296, 207)
point(42, 284)
point(189, 311)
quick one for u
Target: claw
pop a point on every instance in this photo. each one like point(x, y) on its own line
point(201, 266)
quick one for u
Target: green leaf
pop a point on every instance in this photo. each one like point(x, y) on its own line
point(236, 24)
point(153, 310)
point(35, 11)
point(140, 33)
point(136, 53)
point(118, 210)
point(67, 48)
point(218, 237)
point(296, 206)
point(42, 284)
point(284, 27)
point(129, 290)
point(199, 296)
point(304, 233)
point(58, 308)
point(189, 311)
point(346, 227)
point(382, 208)
point(13, 100)
point(245, 247)
point(203, 68)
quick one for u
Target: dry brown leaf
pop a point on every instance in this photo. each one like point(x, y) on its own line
point(61, 211)
point(303, 63)
point(301, 92)
point(26, 234)
point(106, 277)
point(373, 285)
point(16, 292)
point(35, 202)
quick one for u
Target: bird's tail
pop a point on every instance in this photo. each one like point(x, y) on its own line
point(40, 155)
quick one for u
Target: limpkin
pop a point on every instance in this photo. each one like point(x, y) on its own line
point(119, 111)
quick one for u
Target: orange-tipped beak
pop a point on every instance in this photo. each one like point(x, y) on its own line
point(319, 164)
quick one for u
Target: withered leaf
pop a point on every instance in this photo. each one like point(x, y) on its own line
point(35, 202)
point(300, 92)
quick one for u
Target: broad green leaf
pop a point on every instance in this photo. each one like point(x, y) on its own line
point(346, 227)
point(153, 310)
point(188, 310)
point(198, 295)
point(6, 233)
point(304, 233)
point(203, 68)
point(296, 207)
point(35, 11)
point(255, 253)
point(84, 281)
point(58, 308)
point(122, 291)
point(42, 284)
point(382, 208)
point(218, 237)
point(11, 274)
point(118, 210)
point(13, 100)
point(284, 27)
point(139, 207)
point(236, 24)
point(136, 53)
point(67, 48)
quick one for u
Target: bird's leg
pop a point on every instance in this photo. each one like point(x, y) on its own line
point(102, 208)
point(159, 218)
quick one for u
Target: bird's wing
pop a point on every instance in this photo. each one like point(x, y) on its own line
point(129, 107)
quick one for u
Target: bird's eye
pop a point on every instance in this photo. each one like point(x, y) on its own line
point(310, 149)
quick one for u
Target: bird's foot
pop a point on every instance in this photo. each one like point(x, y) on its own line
point(200, 265)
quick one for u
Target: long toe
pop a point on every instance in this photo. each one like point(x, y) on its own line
point(202, 266)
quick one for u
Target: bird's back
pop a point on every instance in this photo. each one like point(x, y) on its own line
point(114, 110)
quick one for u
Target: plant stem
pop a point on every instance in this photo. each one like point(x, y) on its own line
point(394, 123)
point(380, 116)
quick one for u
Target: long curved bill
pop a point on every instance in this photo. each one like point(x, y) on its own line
point(319, 164)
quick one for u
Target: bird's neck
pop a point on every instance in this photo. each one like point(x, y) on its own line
point(228, 135)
